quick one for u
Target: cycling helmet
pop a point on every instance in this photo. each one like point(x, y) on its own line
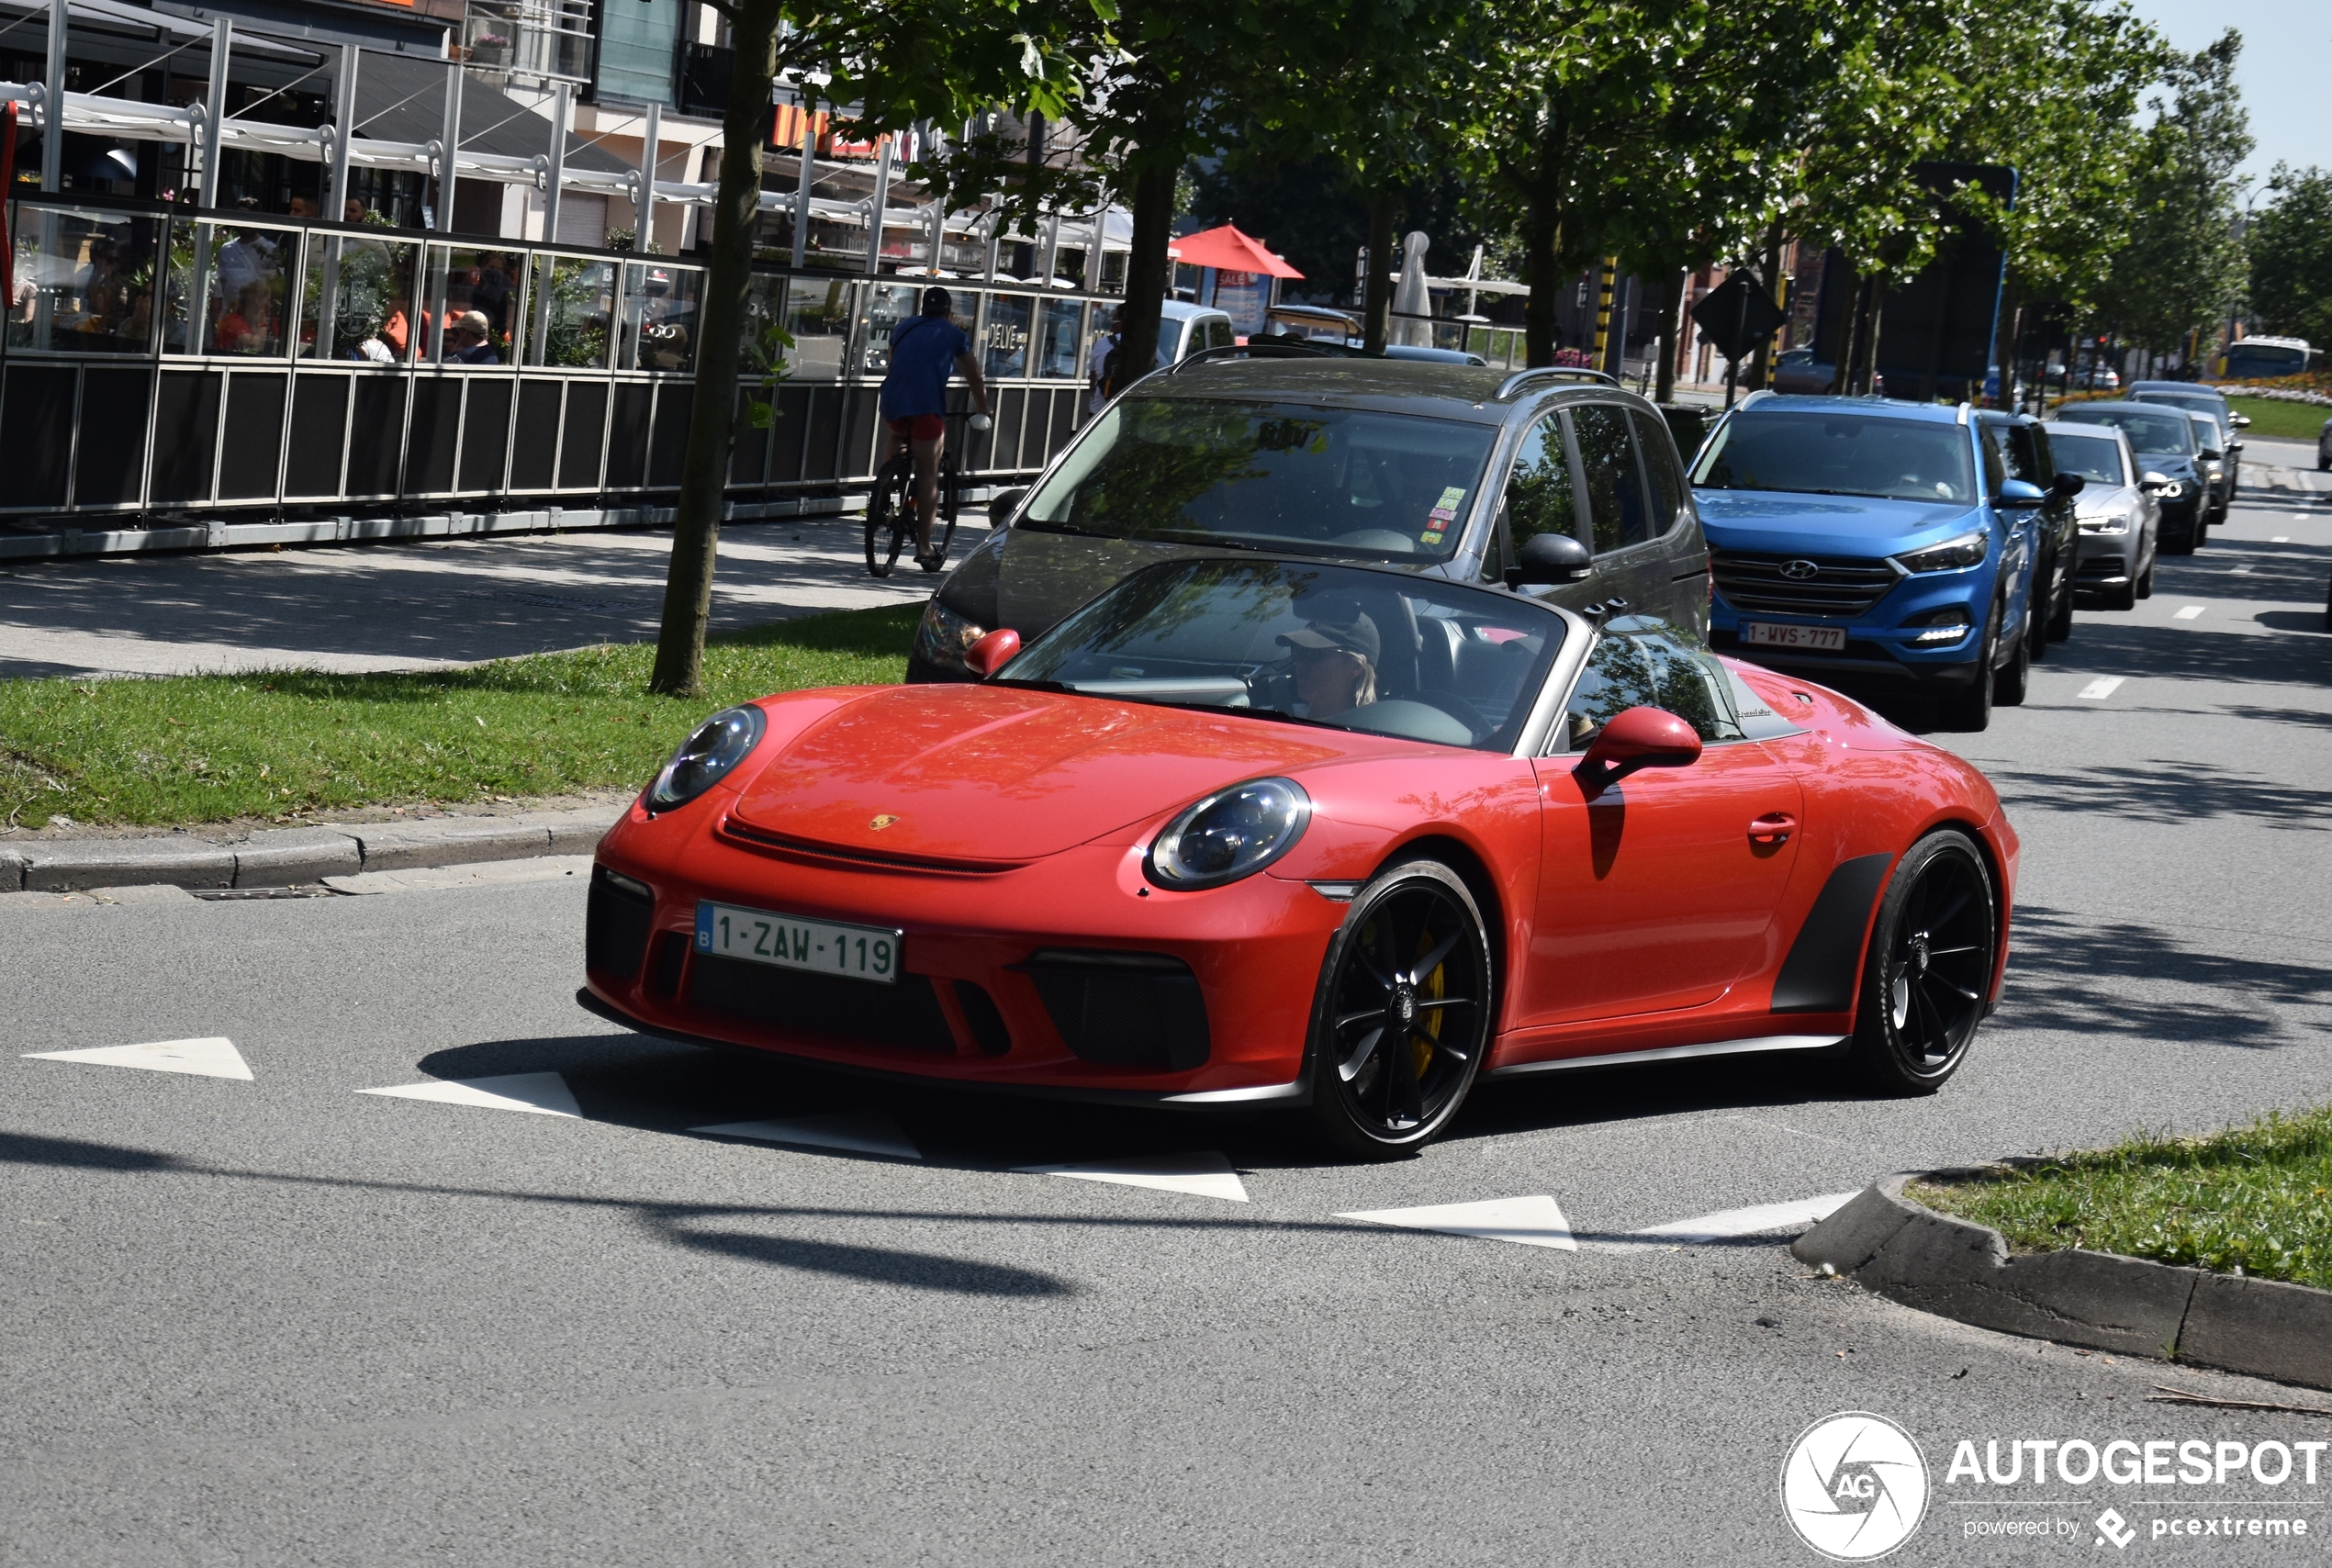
point(937, 302)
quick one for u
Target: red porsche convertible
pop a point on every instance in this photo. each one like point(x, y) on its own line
point(1254, 830)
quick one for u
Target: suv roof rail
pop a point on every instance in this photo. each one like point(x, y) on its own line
point(1522, 378)
point(1265, 351)
point(1758, 395)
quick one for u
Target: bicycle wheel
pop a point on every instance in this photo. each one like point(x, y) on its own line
point(943, 532)
point(891, 517)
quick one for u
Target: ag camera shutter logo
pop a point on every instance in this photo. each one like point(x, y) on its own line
point(1855, 1486)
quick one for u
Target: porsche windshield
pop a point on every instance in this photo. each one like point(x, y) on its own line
point(1841, 455)
point(1360, 650)
point(1287, 476)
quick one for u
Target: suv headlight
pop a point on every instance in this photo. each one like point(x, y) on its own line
point(1231, 834)
point(707, 757)
point(1951, 555)
point(942, 637)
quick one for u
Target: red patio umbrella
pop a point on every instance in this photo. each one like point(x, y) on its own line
point(1227, 250)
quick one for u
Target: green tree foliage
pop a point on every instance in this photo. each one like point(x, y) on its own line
point(2291, 246)
point(2180, 266)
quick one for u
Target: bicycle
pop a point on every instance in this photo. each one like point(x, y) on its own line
point(890, 511)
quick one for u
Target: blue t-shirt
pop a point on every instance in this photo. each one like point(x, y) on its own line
point(923, 352)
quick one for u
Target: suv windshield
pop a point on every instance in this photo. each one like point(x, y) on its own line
point(1284, 475)
point(2149, 430)
point(2097, 458)
point(1840, 454)
point(1386, 653)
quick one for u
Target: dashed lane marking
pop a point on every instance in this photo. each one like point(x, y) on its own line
point(1726, 1225)
point(542, 1093)
point(2097, 690)
point(2190, 613)
point(850, 1132)
point(1202, 1174)
point(211, 1056)
point(2280, 538)
point(1531, 1222)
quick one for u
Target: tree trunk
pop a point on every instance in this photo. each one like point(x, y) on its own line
point(1761, 363)
point(713, 411)
point(1149, 270)
point(1376, 301)
point(1861, 367)
point(1543, 270)
point(1671, 311)
point(2005, 345)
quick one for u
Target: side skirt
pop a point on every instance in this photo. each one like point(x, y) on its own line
point(1677, 1053)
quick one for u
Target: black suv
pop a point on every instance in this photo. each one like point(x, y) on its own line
point(2020, 444)
point(1555, 483)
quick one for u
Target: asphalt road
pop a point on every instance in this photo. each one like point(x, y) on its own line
point(276, 1320)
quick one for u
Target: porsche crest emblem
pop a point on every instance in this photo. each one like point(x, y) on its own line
point(882, 822)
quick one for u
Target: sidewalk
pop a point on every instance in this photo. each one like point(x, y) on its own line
point(416, 606)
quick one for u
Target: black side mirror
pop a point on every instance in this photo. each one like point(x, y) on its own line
point(1003, 503)
point(2067, 486)
point(1551, 558)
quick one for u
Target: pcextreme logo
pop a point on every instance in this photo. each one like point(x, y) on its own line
point(1855, 1486)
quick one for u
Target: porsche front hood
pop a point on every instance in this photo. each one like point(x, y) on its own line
point(993, 774)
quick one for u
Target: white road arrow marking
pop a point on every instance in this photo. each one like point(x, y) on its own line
point(1727, 1224)
point(1204, 1174)
point(851, 1132)
point(1532, 1222)
point(2100, 688)
point(543, 1093)
point(211, 1056)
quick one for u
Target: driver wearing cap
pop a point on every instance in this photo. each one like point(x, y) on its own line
point(1335, 657)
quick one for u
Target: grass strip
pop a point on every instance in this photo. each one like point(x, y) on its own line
point(187, 749)
point(2286, 422)
point(2255, 1199)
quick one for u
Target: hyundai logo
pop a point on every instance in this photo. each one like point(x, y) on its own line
point(1798, 571)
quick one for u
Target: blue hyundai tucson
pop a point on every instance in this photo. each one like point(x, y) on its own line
point(1859, 541)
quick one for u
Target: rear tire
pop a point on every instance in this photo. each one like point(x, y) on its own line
point(1403, 1017)
point(1929, 968)
point(890, 516)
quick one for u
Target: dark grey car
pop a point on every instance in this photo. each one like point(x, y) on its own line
point(1558, 484)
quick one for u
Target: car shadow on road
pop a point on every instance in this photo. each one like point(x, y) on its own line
point(2079, 974)
point(2165, 792)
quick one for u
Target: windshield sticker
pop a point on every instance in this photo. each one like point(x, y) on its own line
point(1444, 512)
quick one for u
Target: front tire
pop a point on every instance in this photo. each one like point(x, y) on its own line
point(1403, 1012)
point(1932, 954)
point(890, 516)
point(1971, 710)
point(2060, 620)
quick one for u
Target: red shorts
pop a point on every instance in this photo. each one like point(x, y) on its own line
point(919, 427)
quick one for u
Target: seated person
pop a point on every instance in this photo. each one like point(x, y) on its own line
point(465, 341)
point(1335, 661)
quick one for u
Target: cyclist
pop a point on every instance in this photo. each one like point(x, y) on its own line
point(924, 349)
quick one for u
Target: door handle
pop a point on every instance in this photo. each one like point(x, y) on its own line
point(1774, 827)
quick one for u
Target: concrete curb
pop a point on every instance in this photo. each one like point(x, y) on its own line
point(1957, 1269)
point(280, 857)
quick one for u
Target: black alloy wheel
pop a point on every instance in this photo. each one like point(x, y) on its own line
point(1929, 967)
point(2015, 677)
point(1971, 709)
point(1404, 1014)
point(2060, 619)
point(890, 515)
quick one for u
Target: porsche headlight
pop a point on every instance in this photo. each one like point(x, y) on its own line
point(1952, 554)
point(706, 757)
point(943, 636)
point(1232, 833)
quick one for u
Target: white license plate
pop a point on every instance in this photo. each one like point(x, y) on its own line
point(1823, 639)
point(857, 952)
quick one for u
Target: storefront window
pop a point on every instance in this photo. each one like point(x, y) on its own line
point(888, 304)
point(759, 351)
point(248, 297)
point(85, 281)
point(1005, 340)
point(574, 314)
point(660, 306)
point(361, 290)
point(818, 315)
point(1057, 354)
point(480, 296)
